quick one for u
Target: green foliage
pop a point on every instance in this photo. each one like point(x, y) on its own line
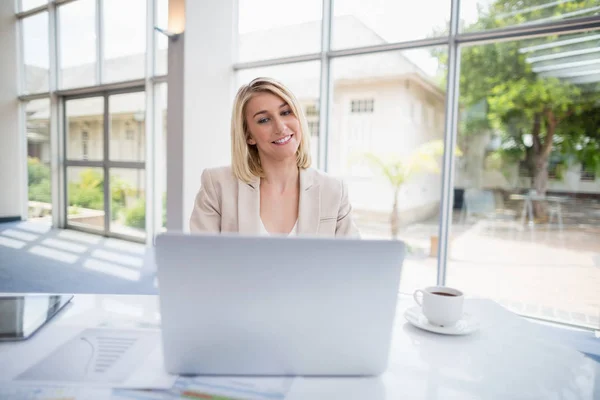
point(39, 180)
point(398, 170)
point(88, 192)
point(499, 91)
point(136, 216)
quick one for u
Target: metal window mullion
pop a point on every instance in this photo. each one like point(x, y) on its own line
point(324, 89)
point(450, 134)
point(106, 171)
point(112, 88)
point(99, 41)
point(63, 145)
point(58, 145)
point(56, 158)
point(33, 11)
point(57, 48)
point(150, 141)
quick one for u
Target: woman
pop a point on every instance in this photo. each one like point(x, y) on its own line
point(270, 187)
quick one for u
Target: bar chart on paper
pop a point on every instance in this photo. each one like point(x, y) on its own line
point(95, 355)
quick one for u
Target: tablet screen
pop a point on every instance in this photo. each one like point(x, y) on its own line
point(21, 316)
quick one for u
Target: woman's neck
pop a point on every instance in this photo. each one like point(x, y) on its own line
point(281, 175)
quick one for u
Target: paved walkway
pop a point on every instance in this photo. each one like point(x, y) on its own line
point(542, 273)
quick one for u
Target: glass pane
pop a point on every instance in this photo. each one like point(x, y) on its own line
point(30, 4)
point(527, 212)
point(127, 126)
point(124, 40)
point(85, 129)
point(272, 29)
point(478, 15)
point(358, 23)
point(160, 128)
point(38, 160)
point(35, 53)
point(85, 197)
point(303, 79)
point(128, 201)
point(162, 42)
point(386, 142)
point(77, 44)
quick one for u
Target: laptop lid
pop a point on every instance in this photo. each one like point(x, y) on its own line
point(276, 306)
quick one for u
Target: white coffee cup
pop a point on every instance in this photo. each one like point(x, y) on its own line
point(441, 305)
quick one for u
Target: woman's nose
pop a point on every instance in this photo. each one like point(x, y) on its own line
point(280, 125)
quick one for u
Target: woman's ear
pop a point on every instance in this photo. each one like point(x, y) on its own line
point(250, 141)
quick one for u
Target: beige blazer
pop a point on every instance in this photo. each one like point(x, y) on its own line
point(226, 204)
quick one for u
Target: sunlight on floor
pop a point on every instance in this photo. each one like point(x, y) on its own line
point(15, 244)
point(64, 245)
point(111, 269)
point(54, 254)
point(136, 262)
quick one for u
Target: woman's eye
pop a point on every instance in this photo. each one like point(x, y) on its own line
point(287, 112)
point(263, 120)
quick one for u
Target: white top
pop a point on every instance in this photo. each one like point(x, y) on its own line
point(265, 232)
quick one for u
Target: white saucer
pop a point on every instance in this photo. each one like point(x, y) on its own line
point(464, 326)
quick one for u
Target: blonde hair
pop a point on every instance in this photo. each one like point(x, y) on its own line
point(245, 160)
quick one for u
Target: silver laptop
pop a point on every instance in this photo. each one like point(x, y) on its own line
point(235, 305)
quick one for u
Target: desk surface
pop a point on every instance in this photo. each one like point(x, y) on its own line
point(509, 357)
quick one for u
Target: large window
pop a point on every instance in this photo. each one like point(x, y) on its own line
point(391, 160)
point(359, 23)
point(521, 219)
point(124, 40)
point(479, 15)
point(77, 44)
point(36, 58)
point(38, 160)
point(530, 238)
point(89, 57)
point(291, 28)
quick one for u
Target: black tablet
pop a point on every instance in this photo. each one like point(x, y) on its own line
point(22, 316)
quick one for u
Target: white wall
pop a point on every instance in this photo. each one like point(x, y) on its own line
point(395, 127)
point(207, 98)
point(11, 150)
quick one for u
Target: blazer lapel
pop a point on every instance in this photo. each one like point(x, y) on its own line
point(249, 207)
point(309, 207)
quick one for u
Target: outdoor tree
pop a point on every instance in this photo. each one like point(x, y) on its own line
point(534, 115)
point(399, 170)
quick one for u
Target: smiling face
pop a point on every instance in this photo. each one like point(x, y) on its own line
point(272, 126)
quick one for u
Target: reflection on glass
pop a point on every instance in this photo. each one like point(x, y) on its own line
point(127, 126)
point(85, 197)
point(385, 141)
point(85, 128)
point(478, 15)
point(36, 56)
point(162, 42)
point(526, 215)
point(358, 23)
point(124, 40)
point(77, 44)
point(303, 79)
point(38, 160)
point(160, 128)
point(29, 4)
point(128, 201)
point(272, 29)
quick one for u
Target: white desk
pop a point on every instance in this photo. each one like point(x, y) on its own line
point(508, 358)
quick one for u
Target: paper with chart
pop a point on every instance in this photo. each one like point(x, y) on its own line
point(107, 357)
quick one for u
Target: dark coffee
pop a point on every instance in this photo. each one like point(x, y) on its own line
point(444, 294)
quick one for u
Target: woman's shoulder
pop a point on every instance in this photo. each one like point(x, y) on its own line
point(325, 180)
point(219, 175)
